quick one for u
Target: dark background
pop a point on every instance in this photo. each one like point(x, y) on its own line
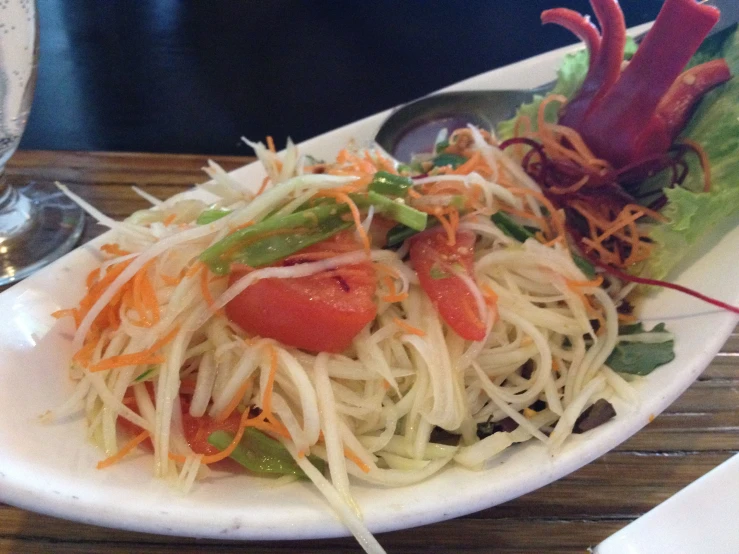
point(193, 76)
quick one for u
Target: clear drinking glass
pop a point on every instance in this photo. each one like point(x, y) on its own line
point(37, 222)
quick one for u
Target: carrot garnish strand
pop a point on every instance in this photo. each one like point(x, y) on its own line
point(113, 249)
point(351, 456)
point(238, 397)
point(598, 281)
point(204, 286)
point(263, 186)
point(128, 447)
point(393, 295)
point(408, 328)
point(343, 197)
point(491, 298)
point(703, 159)
point(169, 280)
point(147, 356)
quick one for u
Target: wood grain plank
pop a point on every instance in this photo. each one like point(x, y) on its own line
point(501, 536)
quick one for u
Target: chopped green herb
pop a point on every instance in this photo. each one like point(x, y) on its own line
point(399, 233)
point(510, 227)
point(452, 160)
point(404, 168)
point(389, 184)
point(441, 146)
point(149, 371)
point(271, 249)
point(437, 273)
point(261, 454)
point(259, 245)
point(209, 216)
point(396, 210)
point(584, 265)
point(640, 358)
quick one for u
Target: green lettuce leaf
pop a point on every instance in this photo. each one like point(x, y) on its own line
point(569, 80)
point(691, 213)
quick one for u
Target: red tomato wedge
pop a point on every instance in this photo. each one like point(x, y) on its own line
point(196, 429)
point(438, 266)
point(318, 313)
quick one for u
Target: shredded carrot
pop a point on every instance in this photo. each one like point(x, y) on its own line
point(598, 281)
point(137, 358)
point(554, 214)
point(627, 318)
point(113, 249)
point(142, 297)
point(226, 452)
point(618, 224)
point(470, 308)
point(355, 162)
point(448, 227)
point(274, 427)
point(651, 213)
point(491, 298)
point(193, 269)
point(526, 215)
point(704, 161)
point(271, 144)
point(169, 220)
point(92, 278)
point(358, 185)
point(128, 447)
point(469, 165)
point(205, 288)
point(622, 227)
point(385, 164)
point(169, 280)
point(555, 240)
point(263, 187)
point(238, 397)
point(572, 188)
point(84, 354)
point(350, 455)
point(343, 197)
point(408, 328)
point(541, 122)
point(393, 295)
point(391, 298)
point(63, 313)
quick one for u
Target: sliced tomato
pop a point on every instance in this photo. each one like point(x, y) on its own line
point(318, 313)
point(438, 266)
point(196, 429)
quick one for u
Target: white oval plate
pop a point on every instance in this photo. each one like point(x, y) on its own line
point(51, 468)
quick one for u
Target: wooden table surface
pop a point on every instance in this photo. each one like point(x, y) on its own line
point(698, 432)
